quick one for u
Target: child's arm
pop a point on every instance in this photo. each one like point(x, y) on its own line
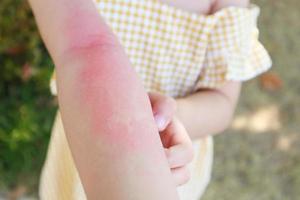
point(105, 110)
point(208, 111)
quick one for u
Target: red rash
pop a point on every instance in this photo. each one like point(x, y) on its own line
point(85, 29)
point(118, 108)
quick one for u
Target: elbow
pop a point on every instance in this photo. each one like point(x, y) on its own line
point(229, 108)
point(85, 33)
point(89, 42)
point(227, 120)
point(88, 47)
point(228, 102)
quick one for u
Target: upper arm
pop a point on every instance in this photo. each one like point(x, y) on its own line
point(70, 25)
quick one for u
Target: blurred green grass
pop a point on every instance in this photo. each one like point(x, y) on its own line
point(249, 163)
point(26, 106)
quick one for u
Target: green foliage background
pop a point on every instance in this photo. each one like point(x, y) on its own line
point(26, 106)
point(248, 165)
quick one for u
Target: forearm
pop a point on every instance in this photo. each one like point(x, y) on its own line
point(110, 129)
point(208, 112)
point(105, 111)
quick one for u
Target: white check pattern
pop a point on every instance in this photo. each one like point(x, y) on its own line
point(176, 52)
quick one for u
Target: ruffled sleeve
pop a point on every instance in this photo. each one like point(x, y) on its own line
point(233, 50)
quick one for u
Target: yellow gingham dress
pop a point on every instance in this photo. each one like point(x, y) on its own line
point(175, 52)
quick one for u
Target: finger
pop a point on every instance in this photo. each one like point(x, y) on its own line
point(176, 134)
point(163, 108)
point(176, 139)
point(179, 155)
point(181, 175)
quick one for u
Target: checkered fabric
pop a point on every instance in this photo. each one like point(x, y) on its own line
point(175, 52)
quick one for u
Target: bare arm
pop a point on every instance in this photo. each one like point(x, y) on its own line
point(210, 112)
point(105, 110)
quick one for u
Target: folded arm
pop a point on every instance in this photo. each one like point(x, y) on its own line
point(105, 110)
point(210, 111)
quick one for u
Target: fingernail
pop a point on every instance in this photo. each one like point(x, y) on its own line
point(160, 122)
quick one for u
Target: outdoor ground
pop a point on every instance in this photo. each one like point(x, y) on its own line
point(257, 158)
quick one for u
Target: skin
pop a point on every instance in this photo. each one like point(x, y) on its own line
point(206, 112)
point(175, 139)
point(96, 83)
point(217, 104)
point(210, 111)
point(101, 128)
point(198, 6)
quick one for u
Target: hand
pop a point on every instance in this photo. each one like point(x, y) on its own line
point(174, 137)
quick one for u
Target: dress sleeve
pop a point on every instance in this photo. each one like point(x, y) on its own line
point(53, 87)
point(234, 52)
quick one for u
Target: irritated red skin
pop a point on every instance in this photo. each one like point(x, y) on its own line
point(85, 29)
point(104, 77)
point(117, 113)
point(94, 81)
